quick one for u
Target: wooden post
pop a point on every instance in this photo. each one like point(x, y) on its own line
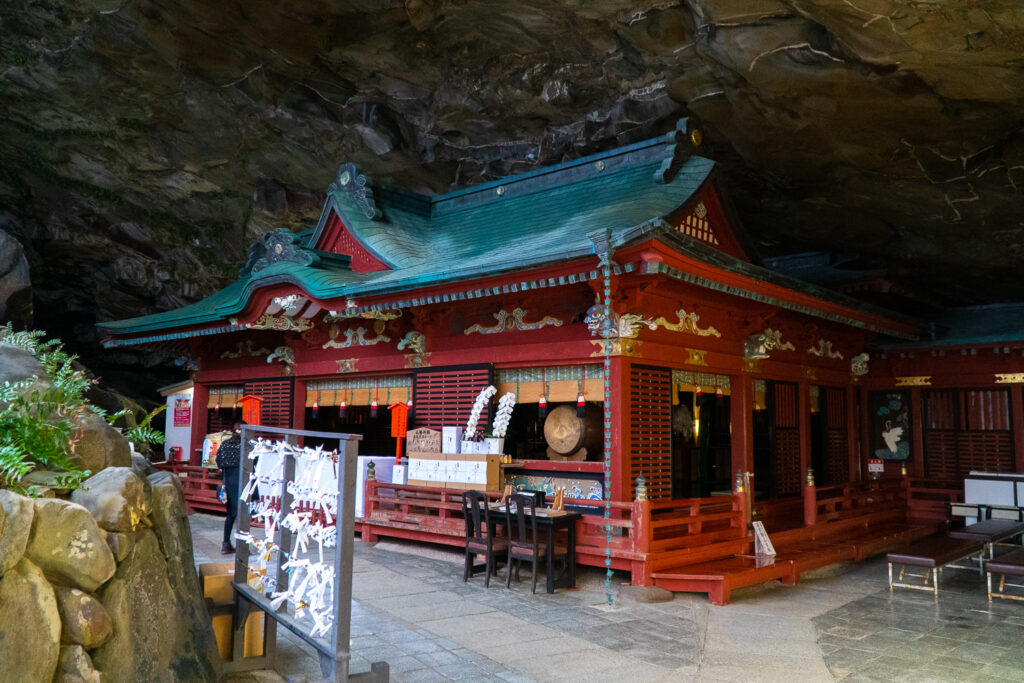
point(299, 406)
point(741, 418)
point(621, 468)
point(809, 494)
point(200, 397)
point(1017, 419)
point(865, 434)
point(641, 518)
point(916, 465)
point(369, 505)
point(853, 432)
point(810, 500)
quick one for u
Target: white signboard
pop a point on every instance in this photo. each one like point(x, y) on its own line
point(762, 544)
point(876, 465)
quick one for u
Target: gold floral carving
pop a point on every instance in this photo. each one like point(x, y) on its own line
point(280, 323)
point(687, 323)
point(918, 381)
point(245, 348)
point(824, 350)
point(417, 360)
point(356, 337)
point(1012, 378)
point(334, 316)
point(517, 317)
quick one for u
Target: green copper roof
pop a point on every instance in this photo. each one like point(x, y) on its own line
point(521, 222)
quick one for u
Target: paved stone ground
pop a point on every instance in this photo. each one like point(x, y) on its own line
point(908, 636)
point(412, 610)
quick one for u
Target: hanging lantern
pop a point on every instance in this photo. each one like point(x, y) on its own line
point(718, 391)
point(236, 410)
point(342, 409)
point(316, 409)
point(698, 392)
point(373, 408)
point(409, 413)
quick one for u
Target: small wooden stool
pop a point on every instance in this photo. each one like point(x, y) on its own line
point(1010, 564)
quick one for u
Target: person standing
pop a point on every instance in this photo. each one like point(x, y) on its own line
point(228, 460)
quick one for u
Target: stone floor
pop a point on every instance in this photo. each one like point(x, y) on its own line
point(412, 610)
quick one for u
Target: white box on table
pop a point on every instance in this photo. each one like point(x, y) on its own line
point(451, 439)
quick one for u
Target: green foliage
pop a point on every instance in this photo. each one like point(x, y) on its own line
point(143, 432)
point(40, 429)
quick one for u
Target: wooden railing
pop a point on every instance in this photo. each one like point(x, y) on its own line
point(198, 483)
point(639, 536)
point(857, 497)
point(928, 498)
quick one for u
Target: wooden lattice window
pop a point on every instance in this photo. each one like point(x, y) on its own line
point(650, 429)
point(444, 397)
point(696, 225)
point(965, 430)
point(278, 401)
point(786, 411)
point(837, 454)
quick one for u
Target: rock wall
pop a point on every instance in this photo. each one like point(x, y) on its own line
point(102, 586)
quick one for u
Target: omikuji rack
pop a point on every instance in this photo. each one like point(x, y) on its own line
point(334, 650)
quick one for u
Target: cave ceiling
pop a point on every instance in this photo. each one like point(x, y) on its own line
point(145, 143)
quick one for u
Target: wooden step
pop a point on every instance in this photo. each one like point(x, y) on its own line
point(718, 578)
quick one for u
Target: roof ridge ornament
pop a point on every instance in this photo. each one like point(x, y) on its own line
point(685, 141)
point(360, 187)
point(280, 245)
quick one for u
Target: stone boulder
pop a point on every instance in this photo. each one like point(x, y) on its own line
point(101, 445)
point(17, 364)
point(141, 465)
point(117, 497)
point(15, 285)
point(84, 621)
point(153, 639)
point(16, 514)
point(29, 626)
point(68, 546)
point(170, 522)
point(120, 543)
point(75, 666)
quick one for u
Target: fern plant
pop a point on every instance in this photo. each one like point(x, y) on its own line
point(41, 428)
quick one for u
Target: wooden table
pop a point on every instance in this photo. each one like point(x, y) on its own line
point(551, 524)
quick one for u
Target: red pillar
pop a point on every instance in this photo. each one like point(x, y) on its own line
point(865, 434)
point(621, 465)
point(916, 466)
point(741, 418)
point(200, 397)
point(809, 494)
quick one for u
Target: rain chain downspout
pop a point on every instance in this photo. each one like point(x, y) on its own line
point(602, 249)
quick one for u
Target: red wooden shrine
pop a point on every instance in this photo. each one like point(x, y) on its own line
point(735, 391)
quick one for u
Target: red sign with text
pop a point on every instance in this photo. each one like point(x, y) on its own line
point(182, 412)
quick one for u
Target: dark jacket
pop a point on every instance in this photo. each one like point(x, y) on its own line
point(230, 452)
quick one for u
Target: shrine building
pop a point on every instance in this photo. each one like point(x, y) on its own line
point(709, 389)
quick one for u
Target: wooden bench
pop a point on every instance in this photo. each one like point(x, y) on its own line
point(991, 532)
point(933, 553)
point(1010, 564)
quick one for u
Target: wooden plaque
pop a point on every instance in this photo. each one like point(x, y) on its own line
point(424, 441)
